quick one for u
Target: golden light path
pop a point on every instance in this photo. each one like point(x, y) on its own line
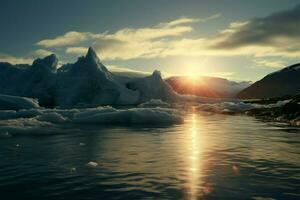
point(196, 147)
point(194, 158)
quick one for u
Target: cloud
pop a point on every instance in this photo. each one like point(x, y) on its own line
point(131, 43)
point(277, 34)
point(222, 74)
point(270, 63)
point(76, 50)
point(15, 60)
point(172, 28)
point(127, 43)
point(215, 16)
point(41, 53)
point(69, 38)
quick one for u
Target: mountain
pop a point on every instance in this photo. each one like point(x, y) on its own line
point(277, 84)
point(85, 82)
point(206, 86)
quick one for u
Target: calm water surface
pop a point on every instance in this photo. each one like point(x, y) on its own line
point(208, 157)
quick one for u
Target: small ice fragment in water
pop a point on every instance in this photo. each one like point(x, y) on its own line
point(5, 135)
point(92, 164)
point(236, 169)
point(73, 169)
point(81, 144)
point(18, 145)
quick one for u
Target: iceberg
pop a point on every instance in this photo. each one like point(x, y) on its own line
point(237, 107)
point(153, 87)
point(154, 103)
point(128, 116)
point(9, 102)
point(53, 121)
point(89, 82)
point(92, 164)
point(35, 81)
point(85, 82)
point(52, 117)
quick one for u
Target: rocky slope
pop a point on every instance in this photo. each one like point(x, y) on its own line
point(289, 112)
point(277, 84)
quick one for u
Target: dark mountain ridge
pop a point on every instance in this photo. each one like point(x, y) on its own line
point(277, 84)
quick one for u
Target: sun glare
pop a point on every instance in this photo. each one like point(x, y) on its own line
point(193, 77)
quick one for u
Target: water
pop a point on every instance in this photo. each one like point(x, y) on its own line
point(208, 157)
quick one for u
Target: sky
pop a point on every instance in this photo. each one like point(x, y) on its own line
point(234, 39)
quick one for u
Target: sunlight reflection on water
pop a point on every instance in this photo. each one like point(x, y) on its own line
point(195, 156)
point(196, 144)
point(207, 157)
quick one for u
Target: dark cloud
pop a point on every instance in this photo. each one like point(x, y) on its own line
point(271, 30)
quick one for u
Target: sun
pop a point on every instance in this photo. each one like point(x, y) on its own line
point(193, 77)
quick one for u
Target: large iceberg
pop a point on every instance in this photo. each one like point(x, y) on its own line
point(36, 80)
point(87, 81)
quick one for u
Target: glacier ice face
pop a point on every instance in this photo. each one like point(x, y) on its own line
point(86, 82)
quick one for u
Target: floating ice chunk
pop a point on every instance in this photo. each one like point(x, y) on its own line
point(7, 114)
point(154, 103)
point(73, 169)
point(8, 102)
point(92, 164)
point(226, 107)
point(5, 135)
point(94, 111)
point(11, 114)
point(51, 121)
point(278, 103)
point(235, 107)
point(52, 117)
point(29, 126)
point(129, 116)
